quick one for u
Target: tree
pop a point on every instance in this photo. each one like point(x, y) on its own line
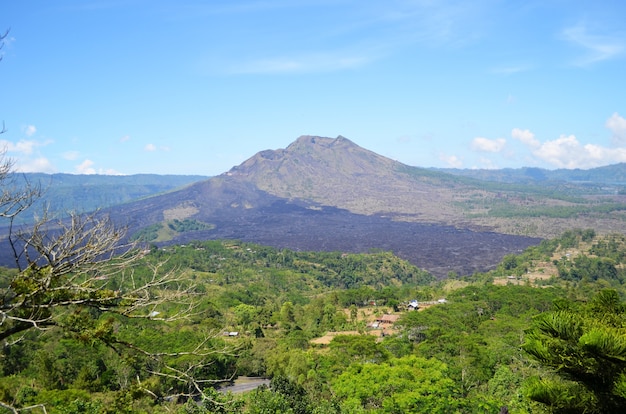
point(78, 276)
point(409, 384)
point(585, 349)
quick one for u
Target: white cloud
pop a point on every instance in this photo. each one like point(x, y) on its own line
point(488, 145)
point(85, 167)
point(598, 47)
point(125, 138)
point(451, 160)
point(526, 137)
point(617, 125)
point(23, 147)
point(71, 155)
point(40, 164)
point(568, 152)
point(30, 130)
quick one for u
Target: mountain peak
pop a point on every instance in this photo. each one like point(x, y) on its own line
point(314, 140)
point(312, 156)
point(322, 169)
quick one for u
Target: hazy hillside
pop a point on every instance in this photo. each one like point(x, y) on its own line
point(608, 179)
point(84, 193)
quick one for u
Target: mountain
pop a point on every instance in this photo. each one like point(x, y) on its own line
point(337, 172)
point(330, 194)
point(611, 175)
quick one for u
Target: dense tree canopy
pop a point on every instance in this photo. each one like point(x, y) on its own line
point(586, 348)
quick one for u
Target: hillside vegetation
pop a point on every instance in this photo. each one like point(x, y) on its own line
point(474, 352)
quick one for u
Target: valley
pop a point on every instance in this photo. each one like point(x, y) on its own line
point(279, 269)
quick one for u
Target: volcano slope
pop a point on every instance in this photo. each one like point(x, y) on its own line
point(238, 210)
point(330, 194)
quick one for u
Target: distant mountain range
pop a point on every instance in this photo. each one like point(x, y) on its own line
point(611, 175)
point(85, 193)
point(330, 194)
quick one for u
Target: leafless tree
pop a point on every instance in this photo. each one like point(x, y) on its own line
point(82, 261)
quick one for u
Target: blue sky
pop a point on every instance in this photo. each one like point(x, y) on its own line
point(196, 87)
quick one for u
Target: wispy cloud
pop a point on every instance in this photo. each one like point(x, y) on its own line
point(71, 155)
point(597, 47)
point(488, 145)
point(306, 63)
point(85, 167)
point(437, 23)
point(5, 41)
point(360, 34)
point(510, 70)
point(239, 7)
point(30, 130)
point(452, 161)
point(154, 148)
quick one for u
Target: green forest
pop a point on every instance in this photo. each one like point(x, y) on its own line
point(334, 333)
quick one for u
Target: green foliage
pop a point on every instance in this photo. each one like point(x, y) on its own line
point(278, 300)
point(265, 401)
point(409, 384)
point(182, 226)
point(148, 234)
point(585, 268)
point(215, 403)
point(586, 347)
point(165, 231)
point(507, 210)
point(610, 247)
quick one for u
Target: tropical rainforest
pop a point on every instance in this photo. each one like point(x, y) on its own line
point(334, 333)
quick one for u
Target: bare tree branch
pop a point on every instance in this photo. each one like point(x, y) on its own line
point(2, 37)
point(65, 266)
point(197, 386)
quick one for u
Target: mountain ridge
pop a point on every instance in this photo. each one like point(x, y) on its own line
point(323, 193)
point(335, 171)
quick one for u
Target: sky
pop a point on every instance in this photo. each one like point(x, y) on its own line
point(197, 87)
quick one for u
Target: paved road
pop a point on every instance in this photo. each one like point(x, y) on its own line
point(244, 385)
